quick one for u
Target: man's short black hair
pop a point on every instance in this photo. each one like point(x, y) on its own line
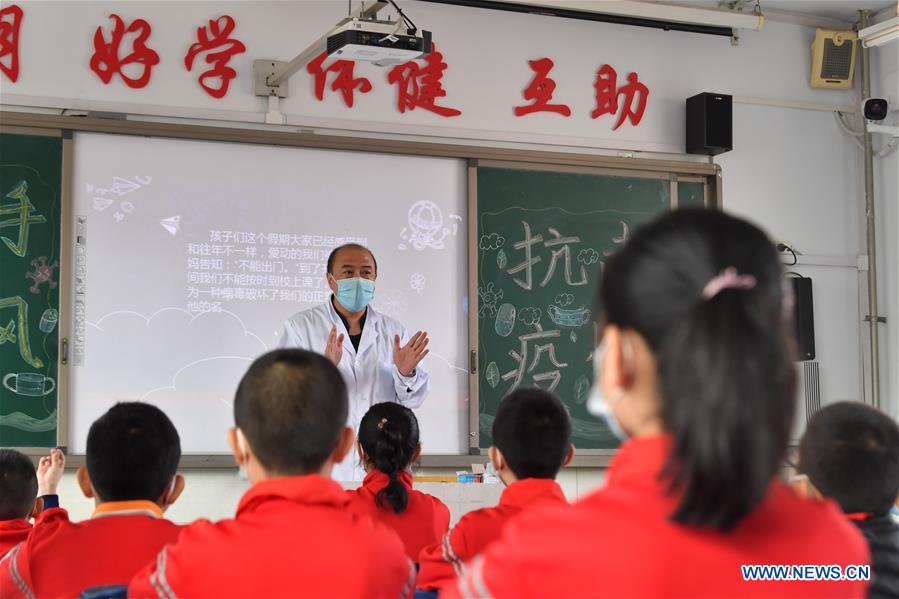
point(533, 432)
point(850, 452)
point(354, 246)
point(292, 407)
point(133, 452)
point(18, 485)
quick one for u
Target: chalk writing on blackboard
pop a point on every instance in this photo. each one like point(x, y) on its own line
point(530, 316)
point(43, 273)
point(19, 215)
point(488, 297)
point(22, 320)
point(585, 257)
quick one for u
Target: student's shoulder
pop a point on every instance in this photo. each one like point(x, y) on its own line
point(360, 502)
point(202, 530)
point(432, 500)
point(821, 522)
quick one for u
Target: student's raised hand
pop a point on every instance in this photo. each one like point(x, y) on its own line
point(334, 348)
point(408, 356)
point(49, 472)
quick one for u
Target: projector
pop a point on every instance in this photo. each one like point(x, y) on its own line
point(380, 42)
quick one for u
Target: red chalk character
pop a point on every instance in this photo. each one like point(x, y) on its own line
point(214, 38)
point(10, 22)
point(105, 61)
point(420, 87)
point(540, 91)
point(344, 82)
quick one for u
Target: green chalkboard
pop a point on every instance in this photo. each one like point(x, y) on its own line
point(691, 194)
point(30, 178)
point(542, 239)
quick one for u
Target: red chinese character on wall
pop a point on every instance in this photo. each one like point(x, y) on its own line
point(634, 90)
point(607, 96)
point(540, 91)
point(10, 22)
point(214, 39)
point(606, 92)
point(105, 61)
point(343, 82)
point(420, 87)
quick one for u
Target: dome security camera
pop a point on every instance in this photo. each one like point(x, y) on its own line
point(875, 109)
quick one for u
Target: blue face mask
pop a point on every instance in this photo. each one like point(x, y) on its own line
point(598, 405)
point(355, 294)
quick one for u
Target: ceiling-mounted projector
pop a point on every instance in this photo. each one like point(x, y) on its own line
point(379, 42)
point(359, 36)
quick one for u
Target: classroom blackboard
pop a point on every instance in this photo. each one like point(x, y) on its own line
point(30, 180)
point(543, 236)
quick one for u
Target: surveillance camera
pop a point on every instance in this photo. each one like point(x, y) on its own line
point(875, 109)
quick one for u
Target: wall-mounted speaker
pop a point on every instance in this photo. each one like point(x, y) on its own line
point(833, 59)
point(804, 317)
point(709, 124)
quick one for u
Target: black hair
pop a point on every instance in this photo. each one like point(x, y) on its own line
point(532, 430)
point(292, 407)
point(354, 246)
point(850, 452)
point(725, 364)
point(132, 453)
point(18, 485)
point(388, 434)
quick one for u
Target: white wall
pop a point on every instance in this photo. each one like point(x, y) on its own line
point(214, 494)
point(885, 82)
point(791, 171)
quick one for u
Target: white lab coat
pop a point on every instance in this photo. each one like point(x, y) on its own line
point(371, 375)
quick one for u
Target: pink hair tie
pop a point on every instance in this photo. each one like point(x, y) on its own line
point(727, 279)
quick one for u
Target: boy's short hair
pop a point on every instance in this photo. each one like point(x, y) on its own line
point(533, 431)
point(850, 452)
point(133, 452)
point(292, 407)
point(18, 485)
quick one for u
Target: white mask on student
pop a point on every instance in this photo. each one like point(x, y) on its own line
point(597, 403)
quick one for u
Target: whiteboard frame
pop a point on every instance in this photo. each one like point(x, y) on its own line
point(119, 123)
point(583, 457)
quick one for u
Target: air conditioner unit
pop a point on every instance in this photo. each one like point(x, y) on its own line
point(833, 59)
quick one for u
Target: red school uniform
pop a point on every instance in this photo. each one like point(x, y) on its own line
point(291, 536)
point(13, 532)
point(62, 558)
point(620, 542)
point(421, 524)
point(443, 561)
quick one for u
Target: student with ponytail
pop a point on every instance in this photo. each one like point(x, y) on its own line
point(388, 445)
point(694, 371)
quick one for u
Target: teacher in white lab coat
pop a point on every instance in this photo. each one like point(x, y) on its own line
point(378, 359)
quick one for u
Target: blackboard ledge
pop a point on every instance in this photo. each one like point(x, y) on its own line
point(222, 461)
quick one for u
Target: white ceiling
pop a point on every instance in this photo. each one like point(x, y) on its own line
point(844, 10)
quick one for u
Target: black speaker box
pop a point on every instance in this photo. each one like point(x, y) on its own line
point(709, 124)
point(804, 317)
